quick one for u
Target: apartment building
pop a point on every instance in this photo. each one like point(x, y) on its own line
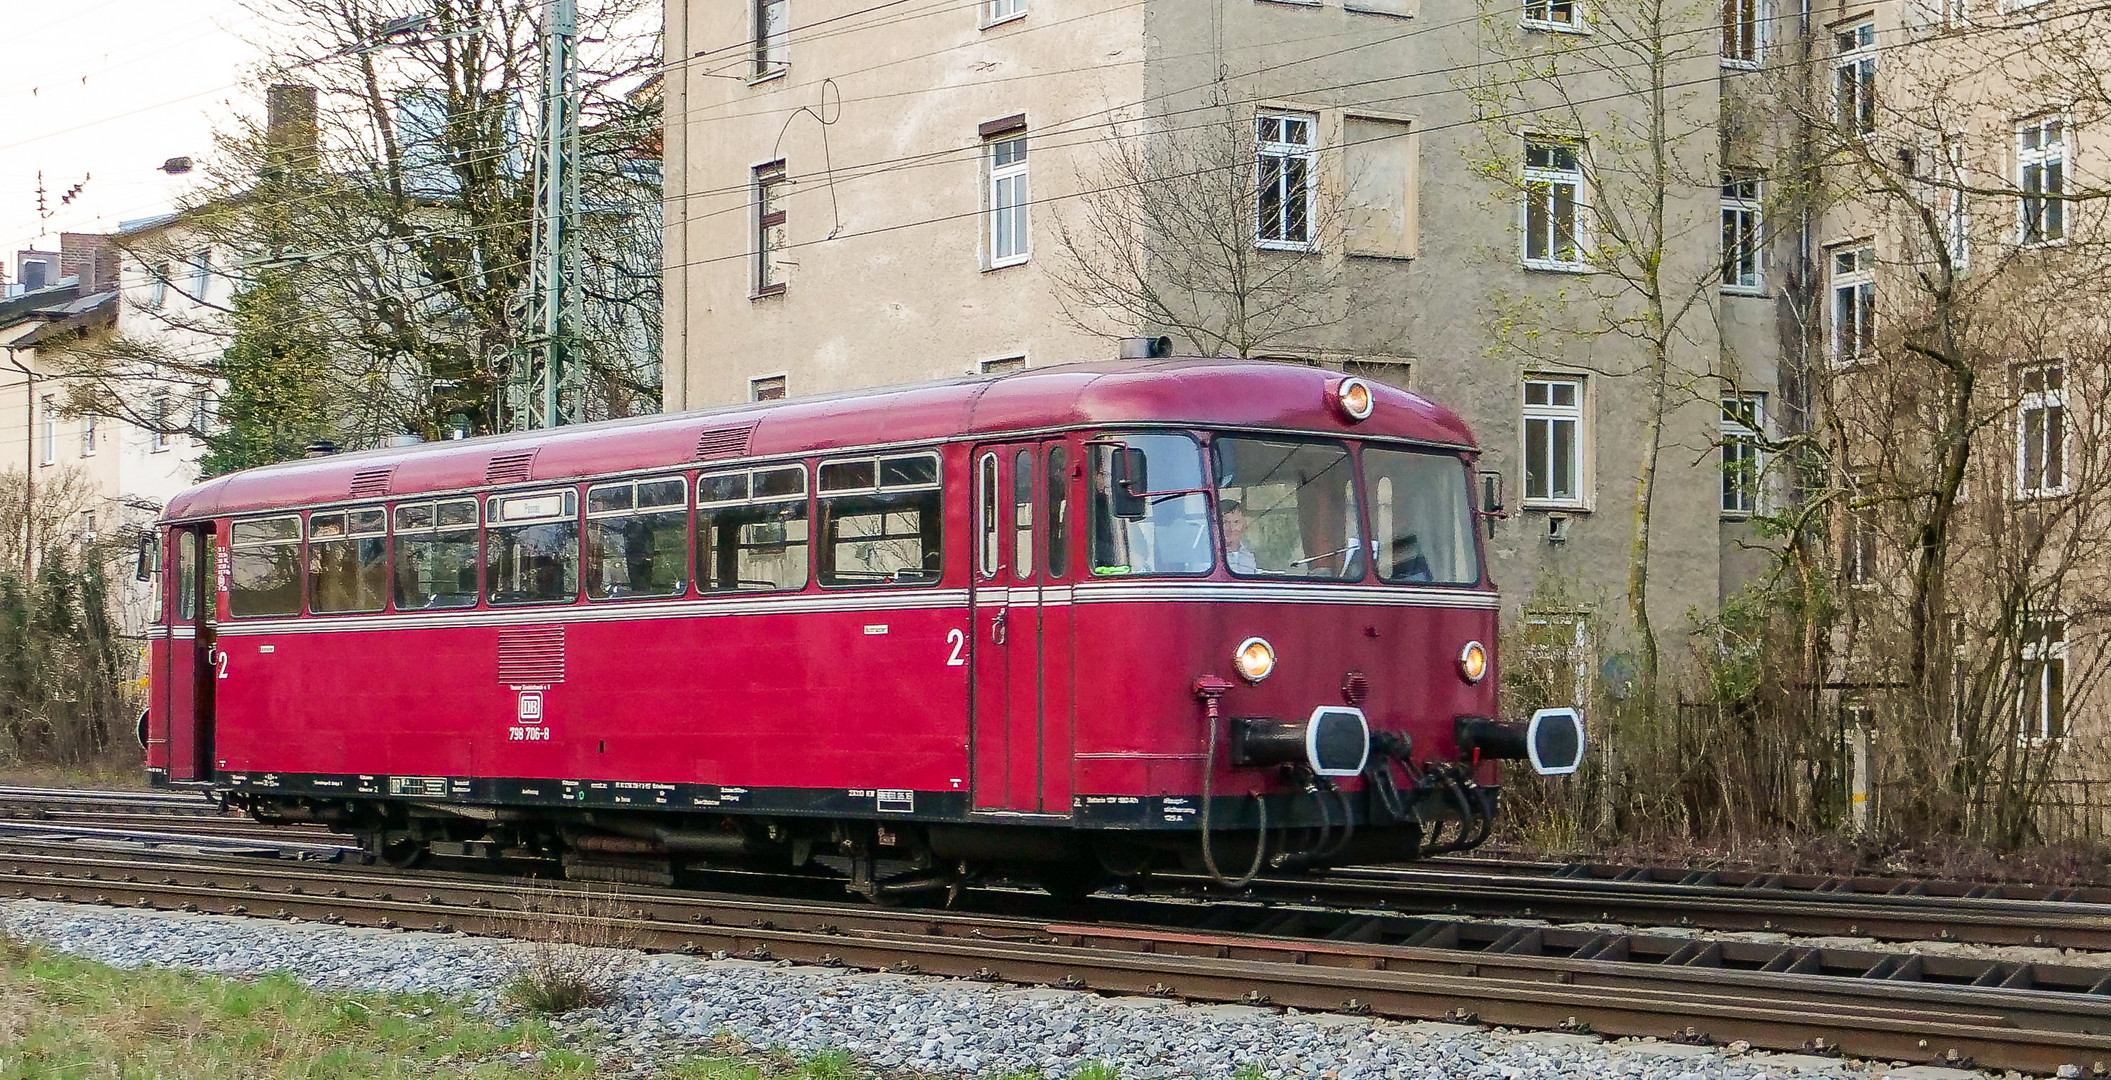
point(870, 194)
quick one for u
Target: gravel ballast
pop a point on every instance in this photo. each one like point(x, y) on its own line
point(667, 1005)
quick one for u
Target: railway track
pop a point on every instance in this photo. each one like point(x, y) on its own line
point(1858, 1004)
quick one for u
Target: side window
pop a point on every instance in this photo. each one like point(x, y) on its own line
point(881, 521)
point(531, 548)
point(1149, 513)
point(986, 523)
point(1058, 511)
point(1023, 515)
point(348, 560)
point(751, 529)
point(637, 539)
point(435, 555)
point(1288, 509)
point(264, 566)
point(187, 575)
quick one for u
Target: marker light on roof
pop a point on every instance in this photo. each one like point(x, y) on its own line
point(1355, 400)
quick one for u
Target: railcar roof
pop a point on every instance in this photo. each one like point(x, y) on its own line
point(1203, 393)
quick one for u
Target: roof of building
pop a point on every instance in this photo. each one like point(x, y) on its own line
point(61, 309)
point(1203, 393)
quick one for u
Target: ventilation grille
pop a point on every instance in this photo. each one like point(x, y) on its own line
point(718, 444)
point(531, 654)
point(509, 468)
point(367, 483)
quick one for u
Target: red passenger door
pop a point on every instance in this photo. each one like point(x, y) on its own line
point(1020, 728)
point(183, 689)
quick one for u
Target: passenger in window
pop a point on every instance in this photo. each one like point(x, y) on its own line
point(1109, 539)
point(1238, 554)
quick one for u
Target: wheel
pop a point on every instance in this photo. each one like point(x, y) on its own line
point(398, 848)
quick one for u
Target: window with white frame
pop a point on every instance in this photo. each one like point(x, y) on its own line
point(1950, 201)
point(2041, 177)
point(1554, 434)
point(1284, 176)
point(201, 264)
point(769, 228)
point(1741, 33)
point(1854, 78)
point(1741, 233)
point(2041, 430)
point(770, 33)
point(2042, 704)
point(157, 286)
point(1553, 199)
point(48, 429)
point(1858, 554)
point(87, 434)
point(158, 413)
point(202, 414)
point(997, 11)
point(1554, 14)
point(1008, 243)
point(1853, 303)
point(1743, 433)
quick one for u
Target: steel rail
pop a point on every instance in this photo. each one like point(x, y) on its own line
point(2020, 1029)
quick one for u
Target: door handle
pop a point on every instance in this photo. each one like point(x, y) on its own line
point(997, 625)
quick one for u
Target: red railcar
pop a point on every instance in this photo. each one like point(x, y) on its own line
point(1089, 619)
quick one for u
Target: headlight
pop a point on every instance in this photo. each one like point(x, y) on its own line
point(1255, 659)
point(1473, 662)
point(1355, 400)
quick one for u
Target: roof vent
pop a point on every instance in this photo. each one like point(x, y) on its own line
point(509, 468)
point(1146, 348)
point(717, 444)
point(372, 483)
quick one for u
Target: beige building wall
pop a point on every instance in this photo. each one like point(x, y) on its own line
point(877, 116)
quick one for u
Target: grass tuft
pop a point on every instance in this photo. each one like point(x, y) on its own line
point(573, 962)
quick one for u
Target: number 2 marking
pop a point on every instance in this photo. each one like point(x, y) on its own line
point(958, 639)
point(220, 660)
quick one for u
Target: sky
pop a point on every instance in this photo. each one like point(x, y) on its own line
point(100, 93)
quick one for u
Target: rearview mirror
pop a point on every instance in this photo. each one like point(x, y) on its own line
point(1492, 498)
point(1132, 478)
point(148, 549)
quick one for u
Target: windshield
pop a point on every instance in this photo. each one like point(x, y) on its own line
point(1422, 517)
point(1155, 518)
point(1288, 509)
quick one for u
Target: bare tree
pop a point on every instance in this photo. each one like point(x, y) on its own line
point(1184, 229)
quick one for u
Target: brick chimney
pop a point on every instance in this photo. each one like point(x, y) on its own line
point(289, 127)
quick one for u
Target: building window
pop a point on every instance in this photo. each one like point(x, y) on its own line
point(1553, 192)
point(2042, 706)
point(1283, 171)
point(158, 421)
point(766, 388)
point(1743, 430)
point(2041, 166)
point(157, 286)
point(997, 11)
point(1741, 233)
point(1854, 78)
point(1858, 554)
point(88, 525)
point(2041, 431)
point(770, 31)
point(48, 430)
point(1947, 196)
point(1853, 304)
point(88, 435)
point(1554, 14)
point(1741, 32)
point(1553, 416)
point(769, 228)
point(202, 415)
point(1007, 198)
point(1003, 364)
point(201, 264)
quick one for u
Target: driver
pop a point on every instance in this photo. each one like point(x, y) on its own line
point(1238, 555)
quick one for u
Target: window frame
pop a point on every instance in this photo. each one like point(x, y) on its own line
point(158, 421)
point(299, 543)
point(1283, 151)
point(431, 533)
point(820, 532)
point(1860, 283)
point(1744, 37)
point(2041, 656)
point(686, 508)
point(770, 182)
point(1577, 177)
point(1744, 233)
point(769, 51)
point(88, 434)
point(1578, 21)
point(1010, 176)
point(571, 507)
point(1553, 414)
point(2047, 159)
point(310, 580)
point(1854, 65)
point(48, 431)
point(2048, 401)
point(1744, 426)
point(701, 506)
point(999, 12)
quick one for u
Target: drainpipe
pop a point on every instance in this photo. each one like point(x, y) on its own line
point(29, 466)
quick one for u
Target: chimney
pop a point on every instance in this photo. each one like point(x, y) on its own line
point(290, 139)
point(90, 257)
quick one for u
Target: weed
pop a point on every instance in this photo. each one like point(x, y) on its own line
point(572, 962)
point(1096, 1070)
